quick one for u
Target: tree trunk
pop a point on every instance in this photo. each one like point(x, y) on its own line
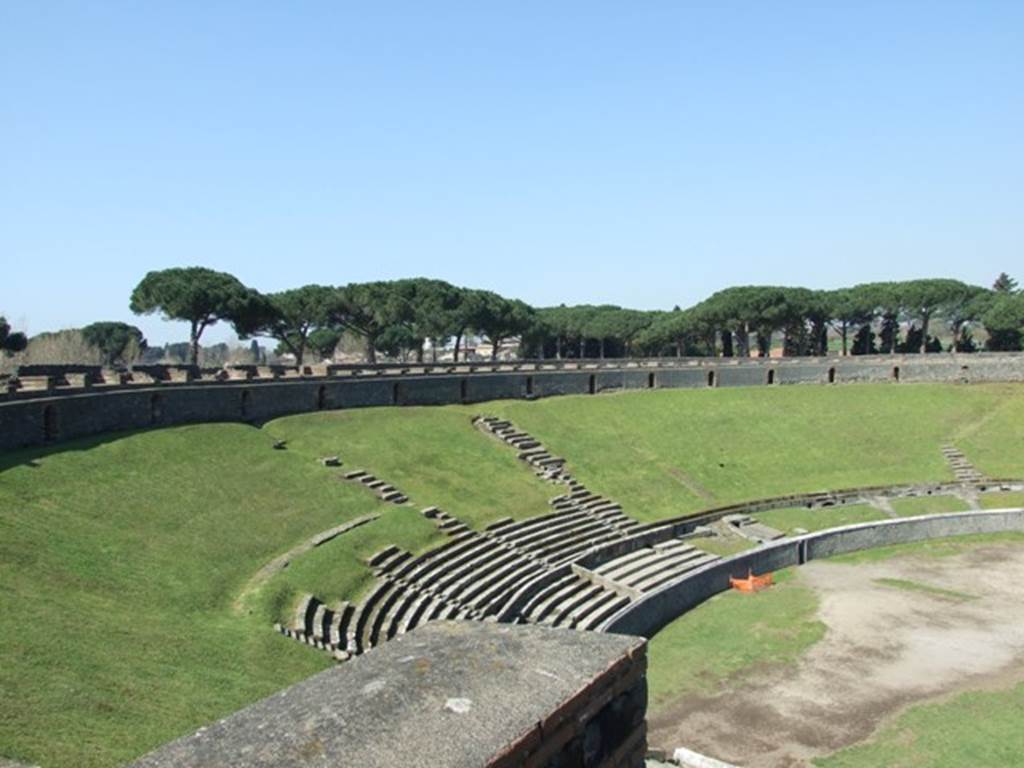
point(742, 342)
point(925, 319)
point(679, 346)
point(600, 344)
point(458, 344)
point(727, 350)
point(371, 351)
point(844, 332)
point(494, 349)
point(193, 343)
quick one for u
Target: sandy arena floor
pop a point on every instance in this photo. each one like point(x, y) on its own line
point(885, 649)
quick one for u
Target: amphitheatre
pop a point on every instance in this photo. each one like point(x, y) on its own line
point(186, 542)
point(455, 562)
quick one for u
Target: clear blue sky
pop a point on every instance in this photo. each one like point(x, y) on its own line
point(643, 154)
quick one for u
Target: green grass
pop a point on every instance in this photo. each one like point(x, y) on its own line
point(122, 558)
point(1002, 499)
point(731, 635)
point(669, 452)
point(434, 455)
point(119, 563)
point(928, 589)
point(927, 505)
point(977, 728)
point(793, 518)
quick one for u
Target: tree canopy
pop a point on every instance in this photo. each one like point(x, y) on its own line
point(201, 297)
point(117, 342)
point(11, 341)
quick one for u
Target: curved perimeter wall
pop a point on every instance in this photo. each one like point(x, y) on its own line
point(647, 616)
point(55, 413)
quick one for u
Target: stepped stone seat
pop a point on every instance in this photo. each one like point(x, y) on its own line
point(535, 523)
point(305, 613)
point(418, 612)
point(655, 581)
point(561, 613)
point(532, 605)
point(598, 604)
point(392, 563)
point(602, 613)
point(528, 535)
point(567, 538)
point(500, 581)
point(430, 562)
point(384, 555)
point(544, 608)
point(651, 558)
point(369, 608)
point(355, 474)
point(554, 537)
point(376, 623)
point(318, 622)
point(342, 620)
point(491, 600)
point(635, 576)
point(453, 582)
point(396, 497)
point(390, 620)
point(610, 565)
point(573, 552)
point(435, 573)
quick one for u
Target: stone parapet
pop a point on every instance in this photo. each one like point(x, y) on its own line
point(446, 695)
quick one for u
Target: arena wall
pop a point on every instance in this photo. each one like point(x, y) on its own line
point(647, 616)
point(47, 404)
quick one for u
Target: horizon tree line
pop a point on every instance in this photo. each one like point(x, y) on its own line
point(398, 318)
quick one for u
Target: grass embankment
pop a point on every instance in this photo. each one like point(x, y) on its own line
point(434, 455)
point(730, 635)
point(669, 452)
point(1002, 499)
point(928, 505)
point(794, 519)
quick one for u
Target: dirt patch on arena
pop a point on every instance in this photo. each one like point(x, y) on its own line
point(899, 632)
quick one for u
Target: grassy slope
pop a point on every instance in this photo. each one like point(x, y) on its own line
point(119, 562)
point(673, 451)
point(434, 455)
point(728, 636)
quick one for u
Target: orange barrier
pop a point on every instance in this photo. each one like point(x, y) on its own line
point(752, 583)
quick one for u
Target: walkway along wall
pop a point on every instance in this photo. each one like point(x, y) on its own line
point(647, 616)
point(52, 406)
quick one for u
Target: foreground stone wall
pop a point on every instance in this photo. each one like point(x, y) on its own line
point(647, 616)
point(55, 404)
point(446, 695)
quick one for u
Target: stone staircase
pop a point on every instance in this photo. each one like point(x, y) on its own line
point(963, 470)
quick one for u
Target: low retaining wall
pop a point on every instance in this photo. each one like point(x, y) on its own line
point(446, 695)
point(54, 409)
point(647, 616)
